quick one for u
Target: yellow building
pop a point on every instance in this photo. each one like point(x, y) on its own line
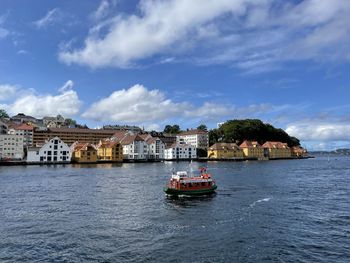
point(252, 149)
point(276, 150)
point(110, 151)
point(298, 152)
point(84, 153)
point(224, 151)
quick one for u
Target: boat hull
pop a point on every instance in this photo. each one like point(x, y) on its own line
point(197, 192)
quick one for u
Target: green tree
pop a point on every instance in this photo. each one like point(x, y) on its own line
point(70, 122)
point(3, 114)
point(172, 129)
point(214, 136)
point(202, 127)
point(250, 129)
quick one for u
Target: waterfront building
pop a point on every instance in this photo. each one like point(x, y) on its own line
point(180, 151)
point(298, 151)
point(109, 150)
point(11, 147)
point(196, 138)
point(225, 151)
point(134, 147)
point(275, 150)
point(84, 152)
point(71, 135)
point(53, 151)
point(155, 147)
point(25, 130)
point(252, 149)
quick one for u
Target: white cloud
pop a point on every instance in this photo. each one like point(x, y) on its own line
point(3, 31)
point(254, 36)
point(210, 111)
point(103, 9)
point(7, 91)
point(67, 86)
point(22, 52)
point(160, 25)
point(139, 105)
point(326, 131)
point(153, 127)
point(50, 18)
point(65, 103)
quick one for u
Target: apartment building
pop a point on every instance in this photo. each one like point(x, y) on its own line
point(11, 147)
point(196, 138)
point(180, 151)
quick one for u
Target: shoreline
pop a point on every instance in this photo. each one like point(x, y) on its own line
point(24, 163)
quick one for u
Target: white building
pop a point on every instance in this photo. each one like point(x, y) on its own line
point(25, 130)
point(11, 146)
point(155, 147)
point(180, 151)
point(196, 138)
point(54, 122)
point(134, 147)
point(54, 150)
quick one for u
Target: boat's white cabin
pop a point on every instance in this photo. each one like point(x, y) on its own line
point(179, 175)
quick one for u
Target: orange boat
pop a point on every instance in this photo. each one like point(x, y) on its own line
point(182, 184)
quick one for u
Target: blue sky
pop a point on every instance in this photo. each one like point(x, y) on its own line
point(153, 63)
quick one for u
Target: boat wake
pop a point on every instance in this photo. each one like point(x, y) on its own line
point(259, 201)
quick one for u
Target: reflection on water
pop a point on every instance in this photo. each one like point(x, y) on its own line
point(186, 201)
point(97, 165)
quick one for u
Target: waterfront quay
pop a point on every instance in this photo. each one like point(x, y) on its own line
point(27, 140)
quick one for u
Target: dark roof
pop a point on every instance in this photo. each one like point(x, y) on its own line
point(193, 132)
point(128, 139)
point(78, 130)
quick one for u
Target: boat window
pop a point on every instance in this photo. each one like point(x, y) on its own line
point(203, 184)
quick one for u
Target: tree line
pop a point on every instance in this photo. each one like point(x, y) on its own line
point(236, 131)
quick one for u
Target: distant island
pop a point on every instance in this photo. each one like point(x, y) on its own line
point(343, 151)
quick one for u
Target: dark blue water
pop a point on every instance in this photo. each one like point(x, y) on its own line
point(273, 211)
